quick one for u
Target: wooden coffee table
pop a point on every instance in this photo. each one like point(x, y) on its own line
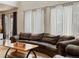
point(27, 47)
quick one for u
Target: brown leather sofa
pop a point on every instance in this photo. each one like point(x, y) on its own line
point(48, 44)
point(68, 49)
point(63, 46)
point(72, 51)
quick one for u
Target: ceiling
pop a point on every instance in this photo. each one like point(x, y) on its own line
point(7, 5)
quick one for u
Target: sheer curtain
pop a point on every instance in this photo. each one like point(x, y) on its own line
point(61, 20)
point(75, 21)
point(28, 19)
point(34, 21)
point(8, 25)
point(67, 20)
point(39, 17)
point(11, 25)
point(57, 20)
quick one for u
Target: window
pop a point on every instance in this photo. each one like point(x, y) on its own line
point(57, 20)
point(28, 21)
point(34, 21)
point(75, 22)
point(8, 24)
point(61, 20)
point(67, 20)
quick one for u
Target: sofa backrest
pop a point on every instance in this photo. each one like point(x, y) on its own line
point(38, 37)
point(64, 38)
point(45, 37)
point(53, 39)
point(35, 37)
point(24, 35)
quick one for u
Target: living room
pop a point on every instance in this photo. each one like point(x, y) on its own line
point(39, 29)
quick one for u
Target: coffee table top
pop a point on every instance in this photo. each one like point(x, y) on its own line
point(25, 48)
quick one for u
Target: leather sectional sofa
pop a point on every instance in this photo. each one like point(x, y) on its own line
point(48, 44)
point(69, 48)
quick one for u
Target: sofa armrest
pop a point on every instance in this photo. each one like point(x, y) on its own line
point(14, 38)
point(62, 45)
point(65, 43)
point(72, 50)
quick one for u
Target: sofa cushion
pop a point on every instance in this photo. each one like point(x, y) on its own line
point(43, 35)
point(72, 50)
point(35, 37)
point(53, 36)
point(24, 35)
point(38, 37)
point(52, 40)
point(64, 38)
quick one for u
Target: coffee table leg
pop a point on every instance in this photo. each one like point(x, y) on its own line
point(7, 52)
point(30, 52)
point(34, 53)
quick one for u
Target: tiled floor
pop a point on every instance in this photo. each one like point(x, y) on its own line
point(4, 49)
